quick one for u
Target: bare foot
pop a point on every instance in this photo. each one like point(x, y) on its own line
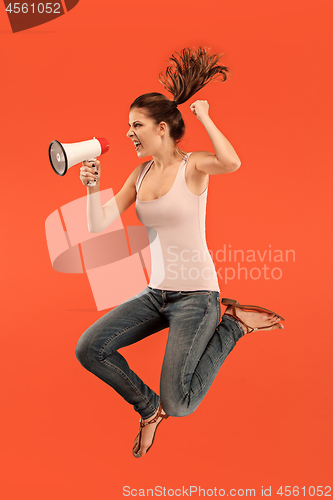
point(256, 319)
point(147, 434)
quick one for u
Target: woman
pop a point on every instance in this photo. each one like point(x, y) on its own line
point(170, 192)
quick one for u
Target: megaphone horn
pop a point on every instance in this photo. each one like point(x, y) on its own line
point(63, 156)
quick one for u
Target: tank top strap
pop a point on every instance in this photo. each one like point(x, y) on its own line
point(141, 175)
point(185, 161)
point(180, 181)
point(147, 166)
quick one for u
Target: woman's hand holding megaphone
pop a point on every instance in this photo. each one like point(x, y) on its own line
point(90, 173)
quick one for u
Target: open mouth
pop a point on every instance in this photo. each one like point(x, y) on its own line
point(137, 144)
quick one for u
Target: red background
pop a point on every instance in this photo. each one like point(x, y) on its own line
point(267, 418)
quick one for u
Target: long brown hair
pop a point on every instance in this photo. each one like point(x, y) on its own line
point(189, 71)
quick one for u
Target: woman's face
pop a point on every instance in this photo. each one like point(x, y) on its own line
point(144, 132)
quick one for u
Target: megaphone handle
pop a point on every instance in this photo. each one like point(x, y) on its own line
point(93, 183)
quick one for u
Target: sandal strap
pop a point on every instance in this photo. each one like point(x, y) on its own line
point(231, 302)
point(157, 416)
point(250, 329)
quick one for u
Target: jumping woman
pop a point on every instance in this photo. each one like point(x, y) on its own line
point(170, 194)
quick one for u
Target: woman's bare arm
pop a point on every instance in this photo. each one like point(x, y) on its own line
point(225, 159)
point(100, 217)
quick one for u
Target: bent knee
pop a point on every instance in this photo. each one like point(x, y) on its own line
point(177, 408)
point(83, 352)
point(80, 353)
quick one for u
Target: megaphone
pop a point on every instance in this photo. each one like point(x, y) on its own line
point(63, 156)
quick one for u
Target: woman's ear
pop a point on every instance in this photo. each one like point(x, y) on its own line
point(162, 128)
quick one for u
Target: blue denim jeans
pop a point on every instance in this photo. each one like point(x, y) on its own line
point(198, 343)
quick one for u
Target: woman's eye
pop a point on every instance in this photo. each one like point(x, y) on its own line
point(137, 125)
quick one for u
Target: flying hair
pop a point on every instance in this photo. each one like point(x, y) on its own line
point(190, 71)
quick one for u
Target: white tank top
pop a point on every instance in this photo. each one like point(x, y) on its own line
point(180, 259)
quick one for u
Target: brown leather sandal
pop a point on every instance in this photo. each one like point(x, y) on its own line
point(234, 304)
point(137, 440)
